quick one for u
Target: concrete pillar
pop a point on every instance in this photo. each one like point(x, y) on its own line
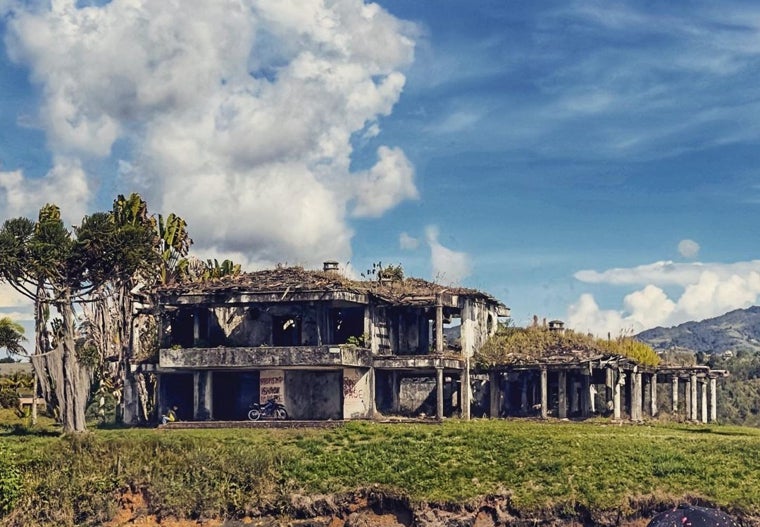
point(713, 400)
point(202, 395)
point(544, 393)
point(438, 324)
point(524, 393)
point(585, 394)
point(562, 394)
point(466, 390)
point(372, 393)
point(439, 393)
point(694, 405)
point(507, 402)
point(609, 387)
point(687, 398)
point(495, 394)
point(674, 394)
point(196, 326)
point(636, 396)
point(703, 390)
point(616, 410)
point(395, 392)
point(653, 395)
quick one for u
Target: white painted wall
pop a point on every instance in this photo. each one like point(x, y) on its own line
point(357, 394)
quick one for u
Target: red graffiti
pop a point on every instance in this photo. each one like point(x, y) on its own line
point(271, 380)
point(271, 390)
point(349, 388)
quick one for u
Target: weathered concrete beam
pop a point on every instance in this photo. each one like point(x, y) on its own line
point(223, 357)
point(227, 298)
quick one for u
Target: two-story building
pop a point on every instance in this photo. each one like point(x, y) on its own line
point(327, 346)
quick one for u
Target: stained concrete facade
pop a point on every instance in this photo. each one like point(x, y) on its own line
point(326, 346)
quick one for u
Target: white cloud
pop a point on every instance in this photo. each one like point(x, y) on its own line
point(665, 273)
point(688, 248)
point(240, 114)
point(65, 185)
point(449, 267)
point(707, 290)
point(10, 299)
point(407, 242)
point(388, 183)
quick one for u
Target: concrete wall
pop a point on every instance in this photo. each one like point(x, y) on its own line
point(478, 323)
point(313, 394)
point(357, 393)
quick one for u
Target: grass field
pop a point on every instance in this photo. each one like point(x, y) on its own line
point(238, 472)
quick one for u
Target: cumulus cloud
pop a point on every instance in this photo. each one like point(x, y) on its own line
point(688, 248)
point(240, 115)
point(706, 290)
point(14, 305)
point(408, 242)
point(65, 185)
point(450, 267)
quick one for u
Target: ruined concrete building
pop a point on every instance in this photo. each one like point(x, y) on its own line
point(326, 346)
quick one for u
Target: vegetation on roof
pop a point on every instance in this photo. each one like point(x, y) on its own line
point(512, 345)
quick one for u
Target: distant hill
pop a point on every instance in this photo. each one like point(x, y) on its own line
point(736, 330)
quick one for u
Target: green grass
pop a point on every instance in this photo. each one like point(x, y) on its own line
point(237, 472)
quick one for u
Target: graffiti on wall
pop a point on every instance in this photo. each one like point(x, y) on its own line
point(356, 394)
point(271, 386)
point(349, 388)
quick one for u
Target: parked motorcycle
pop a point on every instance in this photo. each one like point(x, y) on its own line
point(271, 409)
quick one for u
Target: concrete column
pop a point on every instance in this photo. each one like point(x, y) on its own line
point(609, 387)
point(585, 394)
point(636, 396)
point(713, 400)
point(466, 390)
point(687, 398)
point(439, 393)
point(196, 326)
point(544, 393)
point(372, 393)
point(674, 394)
point(562, 394)
point(616, 410)
point(693, 382)
point(438, 324)
point(495, 394)
point(703, 390)
point(575, 405)
point(202, 395)
point(395, 392)
point(653, 395)
point(524, 393)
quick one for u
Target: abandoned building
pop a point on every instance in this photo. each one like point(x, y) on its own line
point(329, 347)
point(326, 346)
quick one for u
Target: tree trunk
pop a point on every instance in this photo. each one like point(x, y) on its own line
point(74, 391)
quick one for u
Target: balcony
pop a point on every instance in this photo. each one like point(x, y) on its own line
point(264, 357)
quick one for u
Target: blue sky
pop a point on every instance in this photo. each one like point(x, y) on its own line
point(588, 161)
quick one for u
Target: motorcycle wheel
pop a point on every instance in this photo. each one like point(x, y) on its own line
point(280, 413)
point(254, 414)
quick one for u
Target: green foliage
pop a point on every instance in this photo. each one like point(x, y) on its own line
point(380, 272)
point(511, 344)
point(359, 341)
point(10, 481)
point(11, 336)
point(230, 473)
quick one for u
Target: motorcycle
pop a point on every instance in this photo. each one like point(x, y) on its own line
point(269, 409)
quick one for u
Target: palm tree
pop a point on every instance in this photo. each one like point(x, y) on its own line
point(11, 336)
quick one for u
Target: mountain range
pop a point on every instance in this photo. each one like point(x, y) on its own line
point(735, 331)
